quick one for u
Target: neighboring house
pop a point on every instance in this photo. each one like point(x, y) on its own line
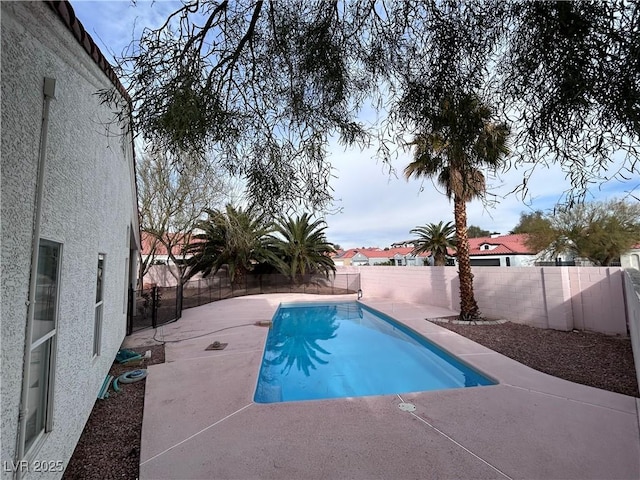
point(162, 270)
point(403, 257)
point(161, 254)
point(352, 257)
point(404, 243)
point(69, 233)
point(631, 259)
point(501, 251)
point(511, 250)
point(493, 251)
point(376, 256)
point(373, 256)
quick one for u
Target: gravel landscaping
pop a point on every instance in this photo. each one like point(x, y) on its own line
point(109, 447)
point(588, 358)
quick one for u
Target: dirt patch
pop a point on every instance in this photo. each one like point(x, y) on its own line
point(109, 446)
point(587, 358)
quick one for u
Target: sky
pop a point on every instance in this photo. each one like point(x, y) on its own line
point(375, 206)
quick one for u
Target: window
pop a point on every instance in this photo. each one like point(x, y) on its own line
point(126, 285)
point(97, 324)
point(43, 336)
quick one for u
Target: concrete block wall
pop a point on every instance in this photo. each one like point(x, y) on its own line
point(601, 303)
point(509, 293)
point(631, 281)
point(161, 276)
point(428, 285)
point(562, 298)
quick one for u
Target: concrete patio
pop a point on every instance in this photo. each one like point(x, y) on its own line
point(200, 421)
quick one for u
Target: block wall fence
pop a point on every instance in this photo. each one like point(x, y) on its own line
point(562, 298)
point(632, 295)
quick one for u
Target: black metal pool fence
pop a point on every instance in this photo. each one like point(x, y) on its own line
point(152, 307)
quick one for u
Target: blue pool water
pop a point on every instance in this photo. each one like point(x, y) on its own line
point(348, 350)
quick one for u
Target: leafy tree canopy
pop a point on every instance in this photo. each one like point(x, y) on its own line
point(532, 222)
point(264, 85)
point(599, 231)
point(475, 232)
point(171, 201)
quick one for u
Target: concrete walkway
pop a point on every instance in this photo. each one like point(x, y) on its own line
point(200, 421)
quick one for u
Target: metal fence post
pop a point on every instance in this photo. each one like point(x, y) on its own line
point(130, 311)
point(154, 310)
point(179, 291)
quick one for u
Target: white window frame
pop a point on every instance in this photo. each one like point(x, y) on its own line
point(45, 402)
point(99, 305)
point(127, 282)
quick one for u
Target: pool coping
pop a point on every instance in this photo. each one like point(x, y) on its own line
point(530, 425)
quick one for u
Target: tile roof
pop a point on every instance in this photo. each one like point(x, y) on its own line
point(504, 245)
point(65, 12)
point(375, 252)
point(379, 253)
point(147, 242)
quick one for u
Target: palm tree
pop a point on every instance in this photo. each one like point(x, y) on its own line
point(299, 246)
point(461, 138)
point(294, 343)
point(437, 239)
point(234, 238)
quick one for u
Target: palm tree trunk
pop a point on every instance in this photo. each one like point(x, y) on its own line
point(468, 307)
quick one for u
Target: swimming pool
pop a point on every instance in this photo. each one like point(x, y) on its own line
point(332, 350)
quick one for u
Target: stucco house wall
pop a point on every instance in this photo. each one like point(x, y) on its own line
point(359, 259)
point(631, 259)
point(89, 207)
point(379, 260)
point(513, 260)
